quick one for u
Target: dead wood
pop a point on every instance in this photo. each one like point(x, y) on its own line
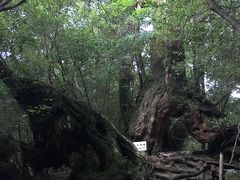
point(181, 165)
point(61, 127)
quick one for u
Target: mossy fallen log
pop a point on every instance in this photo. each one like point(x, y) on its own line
point(61, 127)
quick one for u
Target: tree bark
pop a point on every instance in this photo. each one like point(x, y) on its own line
point(214, 6)
point(165, 98)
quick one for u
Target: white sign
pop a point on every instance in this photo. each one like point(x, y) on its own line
point(141, 145)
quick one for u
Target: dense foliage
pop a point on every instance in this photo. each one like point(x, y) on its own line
point(81, 48)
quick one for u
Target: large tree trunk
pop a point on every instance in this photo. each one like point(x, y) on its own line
point(165, 98)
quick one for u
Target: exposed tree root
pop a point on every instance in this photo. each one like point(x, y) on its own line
point(182, 165)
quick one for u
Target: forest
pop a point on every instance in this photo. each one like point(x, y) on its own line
point(82, 80)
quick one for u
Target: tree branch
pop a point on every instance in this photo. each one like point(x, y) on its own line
point(226, 16)
point(5, 5)
point(182, 176)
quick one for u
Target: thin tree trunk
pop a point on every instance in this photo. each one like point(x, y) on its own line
point(198, 75)
point(138, 57)
point(125, 79)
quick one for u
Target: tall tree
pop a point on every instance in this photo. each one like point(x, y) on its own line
point(166, 98)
